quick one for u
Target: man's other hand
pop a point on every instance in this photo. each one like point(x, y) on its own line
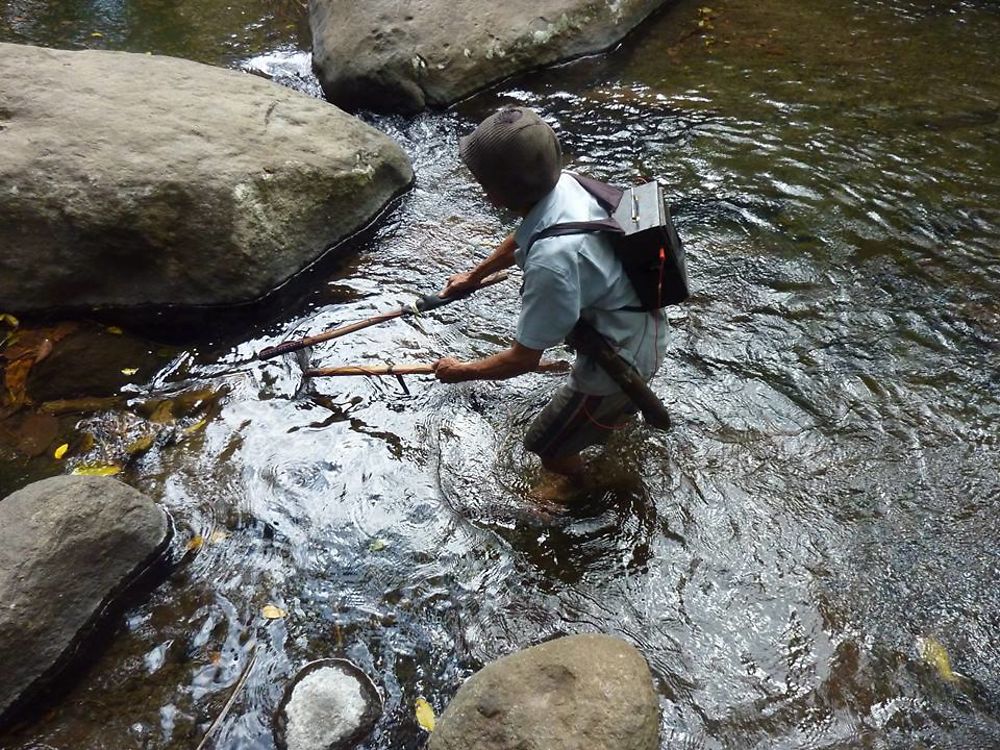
point(460, 282)
point(450, 370)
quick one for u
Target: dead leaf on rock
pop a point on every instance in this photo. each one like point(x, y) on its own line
point(15, 381)
point(24, 349)
point(61, 451)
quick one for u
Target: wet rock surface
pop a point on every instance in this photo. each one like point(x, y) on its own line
point(584, 691)
point(330, 705)
point(94, 362)
point(135, 180)
point(71, 549)
point(401, 57)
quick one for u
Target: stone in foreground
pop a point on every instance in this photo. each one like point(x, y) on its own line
point(583, 691)
point(330, 705)
point(392, 56)
point(71, 548)
point(130, 179)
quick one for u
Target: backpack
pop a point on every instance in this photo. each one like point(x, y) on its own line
point(643, 237)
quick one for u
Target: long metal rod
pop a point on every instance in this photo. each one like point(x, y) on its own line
point(422, 304)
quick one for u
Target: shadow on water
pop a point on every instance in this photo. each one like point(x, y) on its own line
point(793, 558)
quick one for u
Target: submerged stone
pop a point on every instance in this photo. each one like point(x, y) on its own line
point(389, 56)
point(71, 550)
point(93, 362)
point(330, 705)
point(141, 180)
point(583, 691)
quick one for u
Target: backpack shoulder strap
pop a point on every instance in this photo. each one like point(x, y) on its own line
point(608, 196)
point(575, 227)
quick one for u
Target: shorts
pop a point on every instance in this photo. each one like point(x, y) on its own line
point(572, 421)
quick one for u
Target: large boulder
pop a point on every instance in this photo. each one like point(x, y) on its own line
point(71, 549)
point(131, 179)
point(583, 691)
point(403, 55)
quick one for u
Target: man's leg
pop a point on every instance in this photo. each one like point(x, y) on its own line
point(567, 465)
point(570, 422)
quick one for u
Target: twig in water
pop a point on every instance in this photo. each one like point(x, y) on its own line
point(229, 703)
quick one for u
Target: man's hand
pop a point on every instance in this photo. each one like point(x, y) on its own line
point(450, 370)
point(460, 282)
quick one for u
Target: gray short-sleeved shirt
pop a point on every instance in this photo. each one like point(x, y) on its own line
point(578, 275)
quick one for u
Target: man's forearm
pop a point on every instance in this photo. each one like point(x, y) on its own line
point(499, 366)
point(502, 257)
point(506, 364)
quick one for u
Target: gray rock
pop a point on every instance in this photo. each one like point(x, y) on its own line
point(330, 705)
point(583, 691)
point(131, 179)
point(70, 549)
point(403, 55)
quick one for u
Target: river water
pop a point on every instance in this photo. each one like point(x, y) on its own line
point(794, 559)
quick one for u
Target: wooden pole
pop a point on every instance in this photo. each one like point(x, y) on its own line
point(378, 370)
point(415, 369)
point(422, 304)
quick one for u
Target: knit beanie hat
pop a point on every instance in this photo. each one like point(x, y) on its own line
point(515, 155)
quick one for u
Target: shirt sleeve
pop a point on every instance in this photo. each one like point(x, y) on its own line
point(550, 306)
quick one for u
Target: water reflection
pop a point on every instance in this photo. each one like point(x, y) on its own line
point(211, 31)
point(826, 499)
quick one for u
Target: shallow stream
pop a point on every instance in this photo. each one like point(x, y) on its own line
point(825, 507)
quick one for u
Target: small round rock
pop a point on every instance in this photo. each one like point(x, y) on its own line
point(330, 705)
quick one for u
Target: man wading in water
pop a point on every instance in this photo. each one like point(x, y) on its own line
point(516, 158)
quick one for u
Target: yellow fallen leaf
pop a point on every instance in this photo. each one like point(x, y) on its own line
point(115, 330)
point(271, 612)
point(218, 536)
point(61, 451)
point(377, 545)
point(10, 320)
point(935, 655)
point(96, 34)
point(130, 370)
point(141, 444)
point(425, 714)
point(196, 427)
point(196, 543)
point(97, 470)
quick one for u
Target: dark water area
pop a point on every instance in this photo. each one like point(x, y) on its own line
point(795, 558)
